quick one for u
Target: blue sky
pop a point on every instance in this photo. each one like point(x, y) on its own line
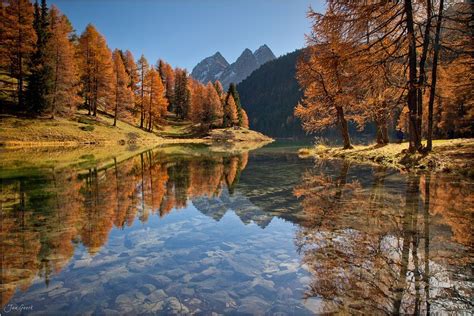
point(183, 32)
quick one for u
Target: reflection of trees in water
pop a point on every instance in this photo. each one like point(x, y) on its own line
point(45, 215)
point(37, 227)
point(374, 249)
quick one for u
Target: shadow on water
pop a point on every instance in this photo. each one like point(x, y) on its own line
point(257, 233)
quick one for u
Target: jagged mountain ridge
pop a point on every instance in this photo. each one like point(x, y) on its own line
point(216, 66)
point(210, 68)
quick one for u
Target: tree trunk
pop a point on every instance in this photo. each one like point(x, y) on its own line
point(415, 142)
point(115, 115)
point(344, 128)
point(95, 98)
point(382, 133)
point(55, 88)
point(21, 101)
point(142, 116)
point(385, 133)
point(116, 99)
point(422, 78)
point(379, 136)
point(429, 145)
point(149, 108)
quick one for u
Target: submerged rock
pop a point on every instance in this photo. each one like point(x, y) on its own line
point(265, 287)
point(161, 281)
point(147, 289)
point(156, 296)
point(253, 305)
point(174, 306)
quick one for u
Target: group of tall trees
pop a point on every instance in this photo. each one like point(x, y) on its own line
point(211, 105)
point(405, 64)
point(46, 69)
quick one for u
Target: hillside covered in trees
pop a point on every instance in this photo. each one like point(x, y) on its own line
point(47, 70)
point(269, 96)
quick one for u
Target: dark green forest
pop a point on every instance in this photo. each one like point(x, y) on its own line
point(269, 96)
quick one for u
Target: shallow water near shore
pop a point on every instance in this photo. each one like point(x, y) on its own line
point(254, 233)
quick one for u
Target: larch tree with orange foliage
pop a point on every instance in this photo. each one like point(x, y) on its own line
point(380, 91)
point(131, 69)
point(122, 94)
point(157, 102)
point(17, 43)
point(325, 75)
point(219, 88)
point(197, 101)
point(96, 68)
point(168, 78)
point(132, 73)
point(245, 119)
point(65, 71)
point(143, 68)
point(231, 116)
point(214, 112)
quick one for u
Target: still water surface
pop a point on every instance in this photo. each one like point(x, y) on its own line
point(257, 233)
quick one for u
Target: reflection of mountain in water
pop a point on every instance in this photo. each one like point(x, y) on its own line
point(247, 212)
point(264, 191)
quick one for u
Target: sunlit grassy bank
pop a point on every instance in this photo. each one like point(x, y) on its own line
point(83, 130)
point(454, 155)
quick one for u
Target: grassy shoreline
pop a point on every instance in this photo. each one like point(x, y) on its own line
point(448, 156)
point(83, 130)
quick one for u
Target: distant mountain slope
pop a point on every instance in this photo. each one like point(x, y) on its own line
point(269, 96)
point(217, 68)
point(210, 68)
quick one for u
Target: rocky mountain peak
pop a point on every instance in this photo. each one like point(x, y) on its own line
point(263, 54)
point(246, 59)
point(210, 68)
point(216, 67)
point(219, 58)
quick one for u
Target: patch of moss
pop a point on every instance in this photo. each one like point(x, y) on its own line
point(85, 120)
point(87, 128)
point(87, 157)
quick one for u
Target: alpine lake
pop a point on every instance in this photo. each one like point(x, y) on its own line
point(191, 231)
